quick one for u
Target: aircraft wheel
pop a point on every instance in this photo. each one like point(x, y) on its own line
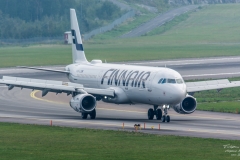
point(150, 114)
point(84, 115)
point(159, 114)
point(93, 114)
point(163, 118)
point(168, 118)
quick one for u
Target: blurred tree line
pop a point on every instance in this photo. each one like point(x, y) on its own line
point(48, 18)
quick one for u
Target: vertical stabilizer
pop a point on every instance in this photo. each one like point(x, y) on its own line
point(78, 54)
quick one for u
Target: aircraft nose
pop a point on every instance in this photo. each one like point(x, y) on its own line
point(179, 93)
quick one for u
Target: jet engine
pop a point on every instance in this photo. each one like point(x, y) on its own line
point(120, 97)
point(83, 103)
point(187, 106)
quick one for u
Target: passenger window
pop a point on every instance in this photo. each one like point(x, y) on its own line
point(171, 81)
point(160, 81)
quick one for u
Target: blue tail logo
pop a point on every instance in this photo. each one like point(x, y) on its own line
point(79, 47)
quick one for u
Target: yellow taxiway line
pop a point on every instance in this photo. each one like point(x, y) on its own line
point(32, 94)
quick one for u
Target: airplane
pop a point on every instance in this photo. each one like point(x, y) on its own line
point(161, 87)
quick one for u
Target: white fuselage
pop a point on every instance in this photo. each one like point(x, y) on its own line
point(140, 84)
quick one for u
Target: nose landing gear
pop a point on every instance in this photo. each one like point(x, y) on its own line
point(158, 113)
point(166, 117)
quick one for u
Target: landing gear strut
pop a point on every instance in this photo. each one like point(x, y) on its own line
point(92, 114)
point(157, 111)
point(159, 114)
point(165, 117)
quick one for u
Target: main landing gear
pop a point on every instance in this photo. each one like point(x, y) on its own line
point(158, 113)
point(92, 114)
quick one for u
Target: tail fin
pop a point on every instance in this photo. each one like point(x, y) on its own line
point(78, 54)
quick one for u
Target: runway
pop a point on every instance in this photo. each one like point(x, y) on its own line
point(23, 106)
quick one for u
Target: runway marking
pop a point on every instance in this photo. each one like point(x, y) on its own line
point(208, 125)
point(32, 94)
point(36, 112)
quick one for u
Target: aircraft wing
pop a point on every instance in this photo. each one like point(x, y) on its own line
point(44, 69)
point(211, 85)
point(52, 86)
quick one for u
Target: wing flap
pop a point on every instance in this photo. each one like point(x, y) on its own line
point(52, 86)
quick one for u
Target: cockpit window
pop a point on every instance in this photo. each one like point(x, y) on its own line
point(179, 81)
point(160, 81)
point(171, 81)
point(164, 80)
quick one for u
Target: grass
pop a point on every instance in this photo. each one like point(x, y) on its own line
point(227, 107)
point(19, 141)
point(125, 27)
point(35, 55)
point(209, 32)
point(168, 25)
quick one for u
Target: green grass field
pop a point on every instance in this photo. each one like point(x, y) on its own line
point(125, 27)
point(211, 31)
point(227, 107)
point(44, 142)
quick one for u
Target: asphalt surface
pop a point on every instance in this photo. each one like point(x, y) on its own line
point(158, 21)
point(22, 106)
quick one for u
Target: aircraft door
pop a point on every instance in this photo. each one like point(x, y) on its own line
point(150, 86)
point(145, 88)
point(150, 80)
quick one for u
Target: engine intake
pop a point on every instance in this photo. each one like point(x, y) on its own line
point(83, 103)
point(187, 106)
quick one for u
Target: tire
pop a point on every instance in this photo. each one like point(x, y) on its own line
point(163, 118)
point(93, 114)
point(84, 115)
point(159, 114)
point(150, 114)
point(168, 118)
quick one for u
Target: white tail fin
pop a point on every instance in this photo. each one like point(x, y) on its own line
point(78, 54)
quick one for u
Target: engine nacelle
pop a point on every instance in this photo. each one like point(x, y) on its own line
point(120, 97)
point(187, 106)
point(83, 103)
